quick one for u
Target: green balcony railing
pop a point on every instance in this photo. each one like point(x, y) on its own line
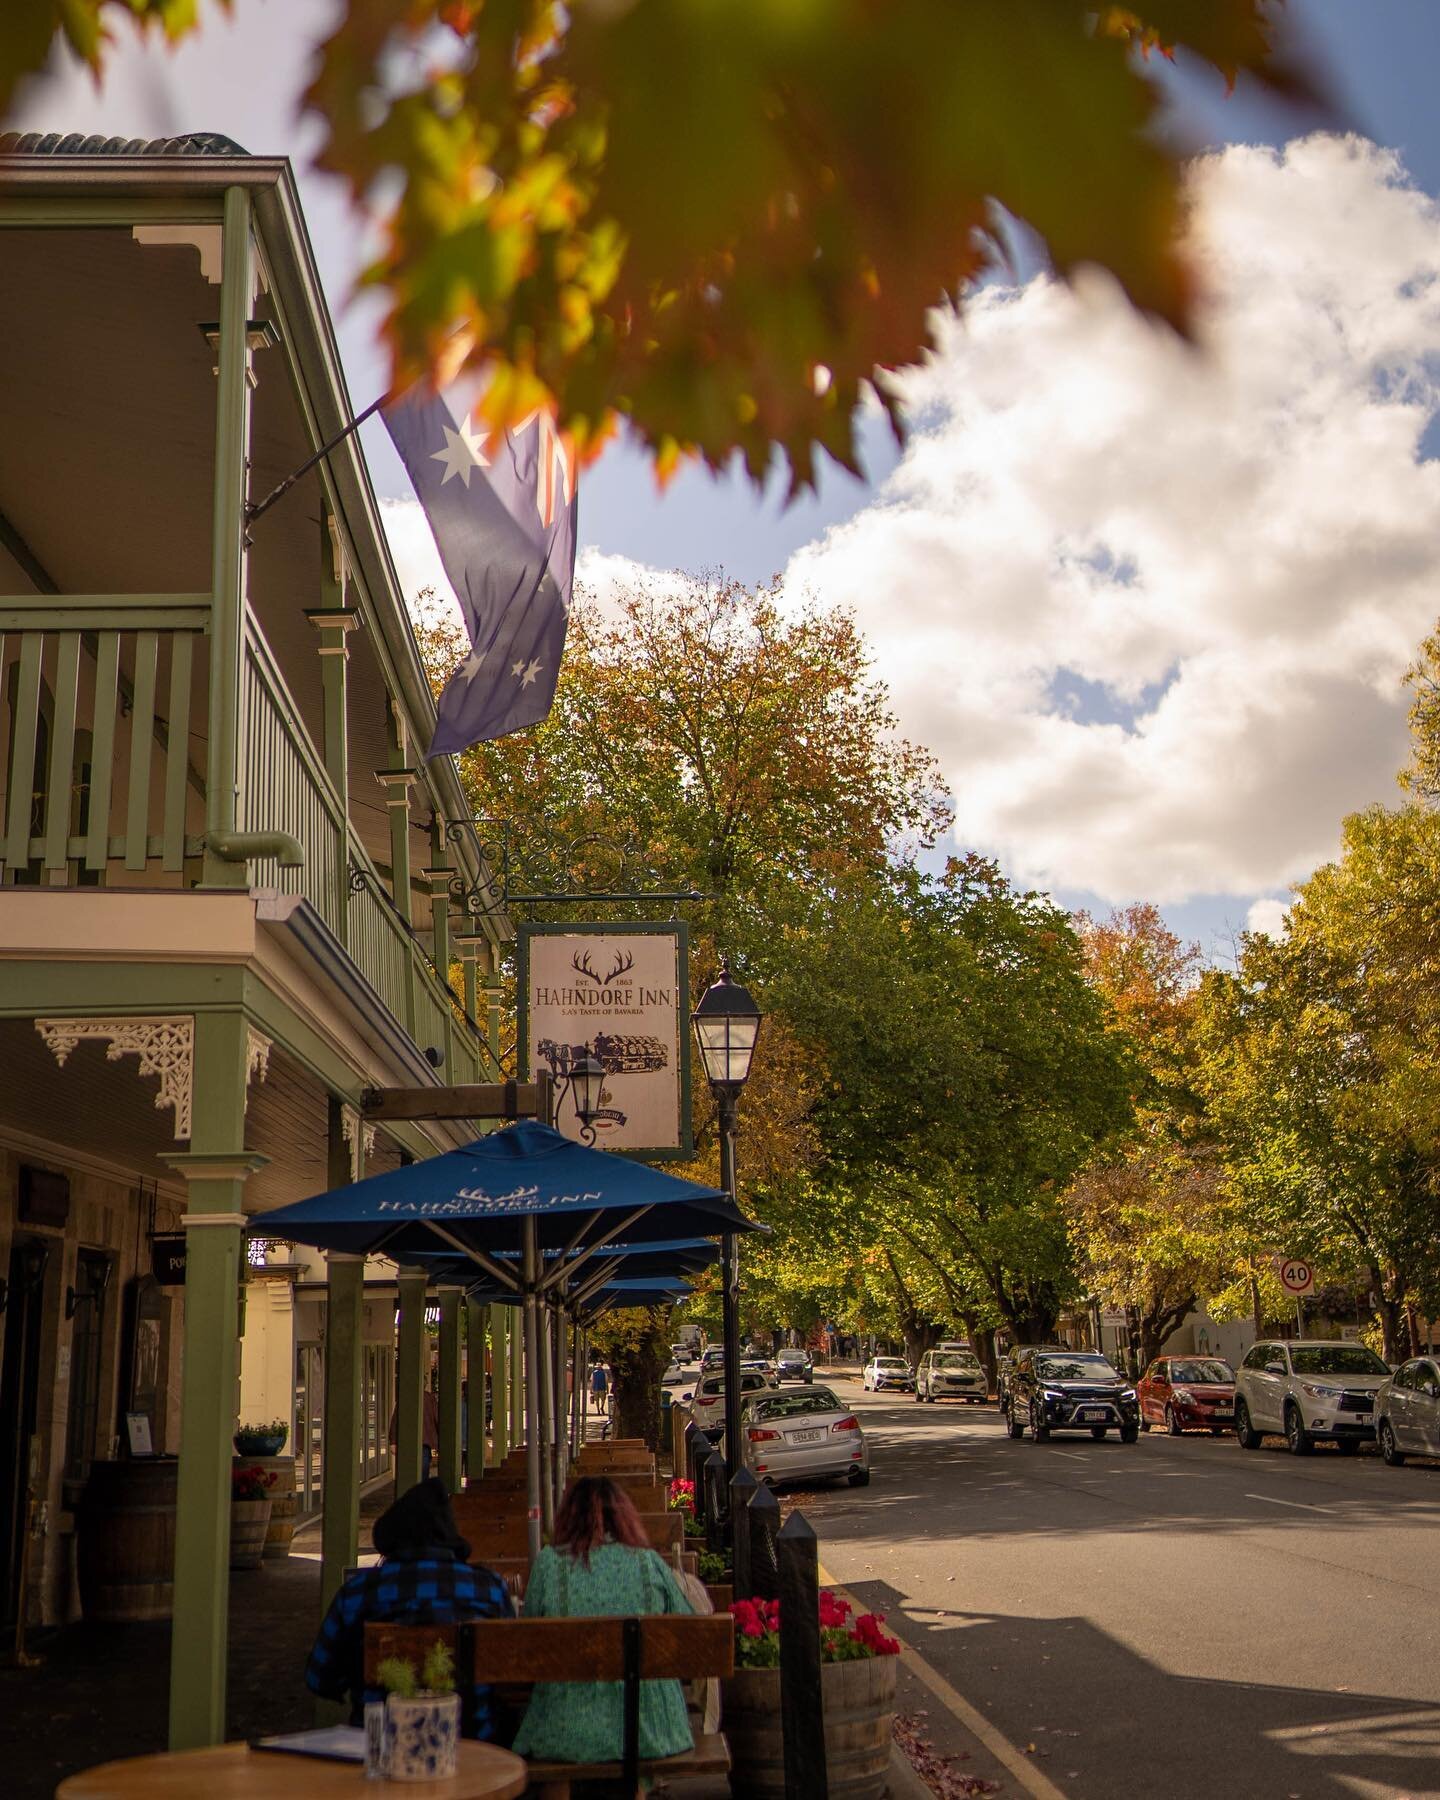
point(103, 700)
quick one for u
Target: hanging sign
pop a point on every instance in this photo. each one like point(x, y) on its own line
point(167, 1258)
point(1296, 1277)
point(619, 994)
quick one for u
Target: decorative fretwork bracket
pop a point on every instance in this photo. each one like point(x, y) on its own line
point(359, 1136)
point(165, 1045)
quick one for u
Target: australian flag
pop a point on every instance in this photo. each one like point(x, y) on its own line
point(503, 511)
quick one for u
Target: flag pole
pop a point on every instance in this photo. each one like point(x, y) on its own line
point(256, 508)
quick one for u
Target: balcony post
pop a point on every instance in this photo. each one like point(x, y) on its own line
point(227, 556)
point(438, 875)
point(477, 1320)
point(334, 623)
point(410, 1378)
point(500, 1318)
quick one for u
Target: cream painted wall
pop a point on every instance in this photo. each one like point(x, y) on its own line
point(267, 1351)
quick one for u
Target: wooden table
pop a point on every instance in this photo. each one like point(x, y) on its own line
point(236, 1772)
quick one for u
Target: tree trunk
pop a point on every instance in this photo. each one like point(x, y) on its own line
point(1387, 1311)
point(982, 1342)
point(1157, 1324)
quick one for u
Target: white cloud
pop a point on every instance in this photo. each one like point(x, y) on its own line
point(1268, 916)
point(1149, 607)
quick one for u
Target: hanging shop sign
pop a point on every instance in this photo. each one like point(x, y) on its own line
point(621, 995)
point(167, 1258)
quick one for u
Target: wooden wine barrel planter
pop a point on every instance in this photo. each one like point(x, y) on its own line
point(282, 1499)
point(125, 1541)
point(249, 1522)
point(859, 1701)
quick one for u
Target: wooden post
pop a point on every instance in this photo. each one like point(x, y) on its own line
point(410, 1373)
point(517, 1376)
point(344, 1360)
point(714, 1468)
point(501, 1318)
point(802, 1699)
point(215, 1169)
point(764, 1529)
point(227, 541)
point(742, 1491)
point(477, 1318)
point(449, 1469)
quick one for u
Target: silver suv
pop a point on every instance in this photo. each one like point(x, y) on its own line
point(1308, 1390)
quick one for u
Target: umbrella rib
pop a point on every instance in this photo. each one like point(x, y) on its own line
point(583, 1292)
point(490, 1266)
point(590, 1249)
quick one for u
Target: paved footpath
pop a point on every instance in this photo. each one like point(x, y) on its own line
point(1177, 1619)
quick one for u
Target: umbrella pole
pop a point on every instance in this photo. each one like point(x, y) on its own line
point(532, 1382)
point(575, 1379)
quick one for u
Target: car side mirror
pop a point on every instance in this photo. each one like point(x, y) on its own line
point(1432, 1388)
point(1274, 1368)
point(685, 1397)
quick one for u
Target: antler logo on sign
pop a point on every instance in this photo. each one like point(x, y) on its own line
point(620, 998)
point(622, 965)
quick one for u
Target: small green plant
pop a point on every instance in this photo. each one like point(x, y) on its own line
point(397, 1674)
point(712, 1567)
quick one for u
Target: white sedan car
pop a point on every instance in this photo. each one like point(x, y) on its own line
point(888, 1372)
point(803, 1435)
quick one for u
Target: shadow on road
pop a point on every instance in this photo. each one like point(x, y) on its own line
point(1117, 1724)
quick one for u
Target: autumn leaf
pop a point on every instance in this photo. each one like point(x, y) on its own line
point(722, 225)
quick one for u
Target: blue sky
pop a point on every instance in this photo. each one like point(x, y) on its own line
point(1080, 765)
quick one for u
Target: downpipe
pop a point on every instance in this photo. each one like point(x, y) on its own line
point(256, 846)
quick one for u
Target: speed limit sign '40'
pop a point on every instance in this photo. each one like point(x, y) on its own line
point(1296, 1277)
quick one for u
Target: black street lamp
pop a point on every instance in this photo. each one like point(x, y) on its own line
point(727, 1023)
point(585, 1082)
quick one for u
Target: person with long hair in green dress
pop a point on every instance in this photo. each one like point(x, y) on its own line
point(601, 1565)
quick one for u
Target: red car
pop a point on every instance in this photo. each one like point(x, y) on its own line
point(1188, 1393)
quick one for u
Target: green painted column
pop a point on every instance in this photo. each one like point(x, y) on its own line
point(344, 1368)
point(450, 1472)
point(410, 1373)
point(334, 623)
point(500, 1317)
point(397, 784)
point(215, 1170)
point(477, 1319)
point(227, 554)
point(517, 1378)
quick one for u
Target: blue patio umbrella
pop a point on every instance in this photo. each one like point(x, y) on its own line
point(500, 1202)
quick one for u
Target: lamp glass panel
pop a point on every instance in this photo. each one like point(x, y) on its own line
point(727, 1042)
point(589, 1078)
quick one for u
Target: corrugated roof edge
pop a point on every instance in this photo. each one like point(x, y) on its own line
point(73, 143)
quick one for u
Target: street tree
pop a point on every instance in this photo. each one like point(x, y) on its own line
point(721, 225)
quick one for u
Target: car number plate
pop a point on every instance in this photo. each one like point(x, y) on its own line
point(1092, 1412)
point(1224, 1412)
point(805, 1437)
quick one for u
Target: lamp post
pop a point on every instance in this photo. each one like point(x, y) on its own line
point(727, 1023)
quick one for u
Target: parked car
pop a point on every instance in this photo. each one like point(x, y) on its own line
point(1006, 1366)
point(1070, 1390)
point(1309, 1390)
point(794, 1365)
point(761, 1365)
point(714, 1358)
point(682, 1354)
point(709, 1398)
point(1407, 1411)
point(1187, 1393)
point(951, 1375)
point(887, 1372)
point(799, 1437)
point(675, 1376)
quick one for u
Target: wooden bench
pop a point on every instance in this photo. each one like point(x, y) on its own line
point(516, 1569)
point(665, 1646)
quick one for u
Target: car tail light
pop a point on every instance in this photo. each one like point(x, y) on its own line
point(757, 1434)
point(708, 1400)
point(848, 1424)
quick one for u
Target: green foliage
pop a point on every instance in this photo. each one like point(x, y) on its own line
point(436, 1675)
point(723, 224)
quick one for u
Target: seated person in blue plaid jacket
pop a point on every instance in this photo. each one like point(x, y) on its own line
point(423, 1578)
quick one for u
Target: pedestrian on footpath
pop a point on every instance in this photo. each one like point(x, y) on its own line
point(600, 1387)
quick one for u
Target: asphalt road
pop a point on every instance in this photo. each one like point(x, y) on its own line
point(1176, 1618)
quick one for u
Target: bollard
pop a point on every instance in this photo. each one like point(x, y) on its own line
point(694, 1438)
point(713, 1469)
point(763, 1527)
point(742, 1491)
point(802, 1699)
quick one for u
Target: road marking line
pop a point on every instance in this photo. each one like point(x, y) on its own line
point(1034, 1781)
point(1303, 1505)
